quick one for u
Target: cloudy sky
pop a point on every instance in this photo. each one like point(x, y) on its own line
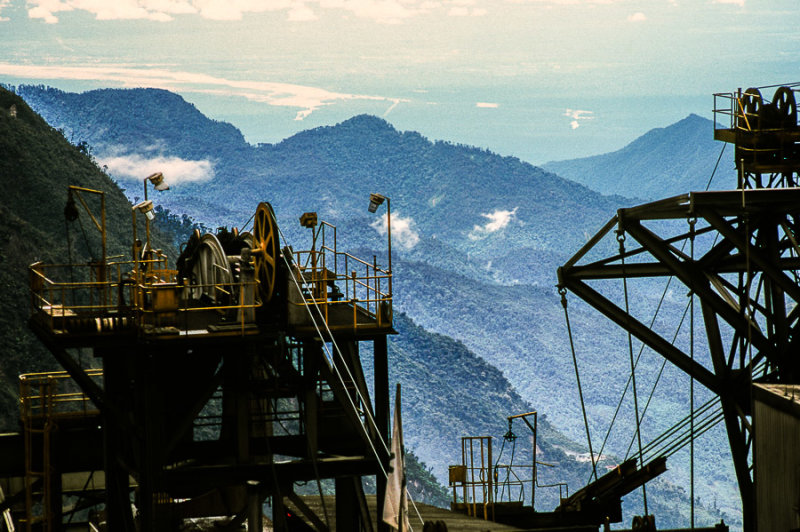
point(540, 79)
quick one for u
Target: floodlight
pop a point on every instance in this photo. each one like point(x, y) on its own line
point(70, 209)
point(146, 208)
point(308, 219)
point(158, 181)
point(375, 200)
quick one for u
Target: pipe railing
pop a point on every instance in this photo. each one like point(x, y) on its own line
point(120, 303)
point(329, 278)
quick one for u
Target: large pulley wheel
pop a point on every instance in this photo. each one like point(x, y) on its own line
point(265, 250)
point(211, 271)
point(752, 104)
point(785, 107)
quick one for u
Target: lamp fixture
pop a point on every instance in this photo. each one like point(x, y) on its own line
point(158, 181)
point(308, 219)
point(70, 209)
point(146, 208)
point(375, 201)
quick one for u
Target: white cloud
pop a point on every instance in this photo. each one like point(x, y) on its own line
point(458, 11)
point(403, 233)
point(394, 104)
point(4, 4)
point(499, 219)
point(637, 17)
point(577, 115)
point(434, 201)
point(568, 2)
point(158, 10)
point(301, 12)
point(387, 11)
point(487, 105)
point(462, 10)
point(175, 169)
point(306, 99)
point(739, 3)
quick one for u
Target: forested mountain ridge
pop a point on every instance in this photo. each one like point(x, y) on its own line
point(37, 164)
point(450, 196)
point(663, 162)
point(148, 120)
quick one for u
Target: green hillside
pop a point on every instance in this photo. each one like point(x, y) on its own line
point(449, 194)
point(37, 164)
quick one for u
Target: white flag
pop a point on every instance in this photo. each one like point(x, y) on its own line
point(395, 509)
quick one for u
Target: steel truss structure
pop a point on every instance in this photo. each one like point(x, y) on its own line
point(736, 251)
point(745, 280)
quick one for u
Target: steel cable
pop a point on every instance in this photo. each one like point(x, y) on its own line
point(563, 292)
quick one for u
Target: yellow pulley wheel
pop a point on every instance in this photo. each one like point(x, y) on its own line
point(265, 249)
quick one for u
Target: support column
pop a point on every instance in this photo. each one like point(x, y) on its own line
point(381, 366)
point(118, 505)
point(348, 515)
point(254, 512)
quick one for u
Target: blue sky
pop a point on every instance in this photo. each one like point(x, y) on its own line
point(540, 79)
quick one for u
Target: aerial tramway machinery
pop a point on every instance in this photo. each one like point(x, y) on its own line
point(737, 256)
point(225, 382)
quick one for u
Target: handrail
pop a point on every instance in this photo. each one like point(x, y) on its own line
point(352, 281)
point(121, 303)
point(44, 396)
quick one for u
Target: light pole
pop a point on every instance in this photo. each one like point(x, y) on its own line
point(159, 184)
point(381, 367)
point(145, 207)
point(375, 201)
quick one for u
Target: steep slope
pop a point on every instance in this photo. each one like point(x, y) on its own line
point(37, 164)
point(661, 163)
point(463, 395)
point(143, 119)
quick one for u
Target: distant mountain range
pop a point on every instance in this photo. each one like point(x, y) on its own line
point(36, 166)
point(43, 164)
point(446, 196)
point(663, 162)
point(476, 240)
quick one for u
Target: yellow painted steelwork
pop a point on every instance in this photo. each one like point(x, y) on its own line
point(346, 292)
point(45, 400)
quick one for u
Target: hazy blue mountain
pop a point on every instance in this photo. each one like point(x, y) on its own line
point(663, 162)
point(37, 165)
point(453, 197)
point(433, 369)
point(142, 118)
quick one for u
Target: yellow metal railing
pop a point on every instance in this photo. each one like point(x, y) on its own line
point(46, 399)
point(331, 280)
point(70, 298)
point(473, 479)
point(730, 108)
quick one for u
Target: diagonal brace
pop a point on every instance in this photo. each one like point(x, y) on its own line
point(643, 333)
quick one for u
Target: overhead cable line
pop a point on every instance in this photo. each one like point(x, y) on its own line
point(563, 292)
